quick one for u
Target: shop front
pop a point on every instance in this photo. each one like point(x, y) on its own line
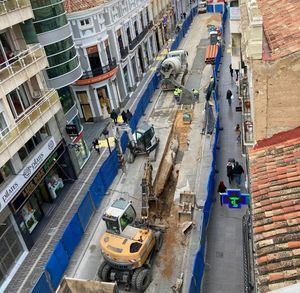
point(34, 204)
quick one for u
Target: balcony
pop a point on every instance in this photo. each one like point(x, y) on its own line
point(13, 12)
point(124, 52)
point(98, 74)
point(139, 38)
point(12, 138)
point(21, 67)
point(247, 122)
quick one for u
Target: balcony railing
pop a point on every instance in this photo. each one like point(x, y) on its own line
point(19, 62)
point(35, 112)
point(100, 70)
point(11, 5)
point(124, 52)
point(139, 38)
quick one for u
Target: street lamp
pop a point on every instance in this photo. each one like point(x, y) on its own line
point(105, 133)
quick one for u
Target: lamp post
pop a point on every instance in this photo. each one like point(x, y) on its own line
point(105, 133)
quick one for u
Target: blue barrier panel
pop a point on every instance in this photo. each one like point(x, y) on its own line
point(42, 285)
point(72, 235)
point(57, 264)
point(210, 8)
point(124, 141)
point(97, 190)
point(85, 211)
point(219, 8)
point(109, 169)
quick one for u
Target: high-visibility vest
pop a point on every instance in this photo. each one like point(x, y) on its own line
point(176, 92)
point(179, 91)
point(195, 91)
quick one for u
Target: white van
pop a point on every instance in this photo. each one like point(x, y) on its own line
point(202, 7)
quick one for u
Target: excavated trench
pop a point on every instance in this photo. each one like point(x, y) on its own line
point(165, 212)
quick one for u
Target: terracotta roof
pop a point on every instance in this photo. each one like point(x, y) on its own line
point(281, 22)
point(275, 194)
point(79, 5)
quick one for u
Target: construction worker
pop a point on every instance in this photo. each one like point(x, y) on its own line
point(176, 94)
point(196, 94)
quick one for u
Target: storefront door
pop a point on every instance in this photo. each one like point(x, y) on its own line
point(104, 101)
point(85, 106)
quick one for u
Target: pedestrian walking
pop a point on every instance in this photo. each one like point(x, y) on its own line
point(114, 116)
point(184, 15)
point(231, 70)
point(229, 169)
point(129, 115)
point(237, 172)
point(237, 74)
point(96, 145)
point(221, 189)
point(229, 97)
point(237, 130)
point(124, 116)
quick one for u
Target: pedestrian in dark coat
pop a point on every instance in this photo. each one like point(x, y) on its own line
point(229, 97)
point(96, 145)
point(129, 115)
point(237, 74)
point(114, 116)
point(229, 169)
point(237, 171)
point(231, 70)
point(124, 116)
point(221, 189)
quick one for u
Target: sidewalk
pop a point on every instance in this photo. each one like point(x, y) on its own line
point(224, 252)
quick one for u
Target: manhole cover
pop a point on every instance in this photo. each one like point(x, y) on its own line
point(219, 254)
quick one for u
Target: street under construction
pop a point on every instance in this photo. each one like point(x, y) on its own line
point(165, 185)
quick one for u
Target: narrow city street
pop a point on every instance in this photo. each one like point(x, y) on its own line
point(224, 252)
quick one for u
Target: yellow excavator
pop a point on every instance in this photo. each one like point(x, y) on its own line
point(128, 247)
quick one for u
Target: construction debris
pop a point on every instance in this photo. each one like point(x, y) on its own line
point(186, 206)
point(178, 285)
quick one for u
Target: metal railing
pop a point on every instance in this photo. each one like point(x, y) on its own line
point(100, 70)
point(20, 61)
point(24, 122)
point(139, 37)
point(124, 52)
point(11, 5)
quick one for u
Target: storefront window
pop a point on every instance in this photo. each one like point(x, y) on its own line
point(10, 248)
point(31, 214)
point(66, 98)
point(82, 152)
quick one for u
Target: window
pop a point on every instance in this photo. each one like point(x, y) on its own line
point(18, 100)
point(3, 125)
point(32, 143)
point(127, 218)
point(85, 22)
point(5, 171)
point(10, 248)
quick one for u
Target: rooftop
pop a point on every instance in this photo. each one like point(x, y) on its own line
point(80, 5)
point(281, 22)
point(275, 192)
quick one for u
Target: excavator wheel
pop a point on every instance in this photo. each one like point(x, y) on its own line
point(130, 156)
point(104, 272)
point(143, 280)
point(133, 278)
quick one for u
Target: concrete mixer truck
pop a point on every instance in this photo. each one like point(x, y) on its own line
point(173, 70)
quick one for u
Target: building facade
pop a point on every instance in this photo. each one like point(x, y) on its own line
point(35, 165)
point(116, 42)
point(54, 33)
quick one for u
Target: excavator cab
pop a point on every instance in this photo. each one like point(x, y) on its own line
point(145, 138)
point(119, 216)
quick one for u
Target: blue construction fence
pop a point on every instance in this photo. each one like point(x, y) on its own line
point(65, 247)
point(199, 261)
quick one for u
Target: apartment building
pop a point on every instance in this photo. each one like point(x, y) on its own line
point(54, 33)
point(116, 41)
point(268, 56)
point(35, 164)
